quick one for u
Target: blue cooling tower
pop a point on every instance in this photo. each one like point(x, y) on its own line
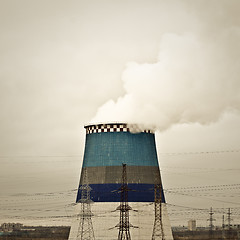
point(107, 147)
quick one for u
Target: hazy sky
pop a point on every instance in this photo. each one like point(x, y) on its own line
point(172, 64)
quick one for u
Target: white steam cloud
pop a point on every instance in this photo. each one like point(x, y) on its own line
point(194, 80)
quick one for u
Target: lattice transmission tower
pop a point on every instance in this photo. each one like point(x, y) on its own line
point(124, 224)
point(85, 228)
point(158, 224)
point(229, 225)
point(211, 226)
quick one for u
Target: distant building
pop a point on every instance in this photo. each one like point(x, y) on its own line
point(192, 225)
point(236, 226)
point(9, 227)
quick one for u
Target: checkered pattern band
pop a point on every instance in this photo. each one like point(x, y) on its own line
point(110, 128)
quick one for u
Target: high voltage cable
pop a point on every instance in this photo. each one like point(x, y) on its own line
point(40, 156)
point(43, 193)
point(162, 153)
point(196, 215)
point(198, 168)
point(201, 209)
point(188, 210)
point(167, 190)
point(203, 187)
point(216, 200)
point(201, 152)
point(203, 170)
point(179, 191)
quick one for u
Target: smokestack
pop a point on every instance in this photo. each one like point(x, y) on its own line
point(107, 148)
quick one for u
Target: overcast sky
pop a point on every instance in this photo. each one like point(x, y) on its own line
point(172, 64)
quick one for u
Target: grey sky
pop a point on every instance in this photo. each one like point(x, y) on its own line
point(60, 61)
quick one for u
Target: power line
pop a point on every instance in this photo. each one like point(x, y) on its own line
point(162, 153)
point(124, 224)
point(201, 152)
point(204, 187)
point(40, 156)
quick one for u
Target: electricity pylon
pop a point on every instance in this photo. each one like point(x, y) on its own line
point(229, 226)
point(158, 225)
point(211, 226)
point(124, 225)
point(85, 228)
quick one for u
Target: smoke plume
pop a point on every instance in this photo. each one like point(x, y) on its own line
point(194, 80)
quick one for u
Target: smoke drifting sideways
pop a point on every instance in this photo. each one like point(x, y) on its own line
point(194, 80)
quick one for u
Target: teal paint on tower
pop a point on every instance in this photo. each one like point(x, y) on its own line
point(115, 148)
point(107, 147)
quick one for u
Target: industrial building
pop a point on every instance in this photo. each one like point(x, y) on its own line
point(192, 225)
point(120, 194)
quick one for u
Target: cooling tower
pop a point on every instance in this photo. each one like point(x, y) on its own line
point(108, 148)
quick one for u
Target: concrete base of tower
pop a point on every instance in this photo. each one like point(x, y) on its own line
point(105, 221)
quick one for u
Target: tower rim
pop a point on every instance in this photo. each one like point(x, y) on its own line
point(129, 127)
